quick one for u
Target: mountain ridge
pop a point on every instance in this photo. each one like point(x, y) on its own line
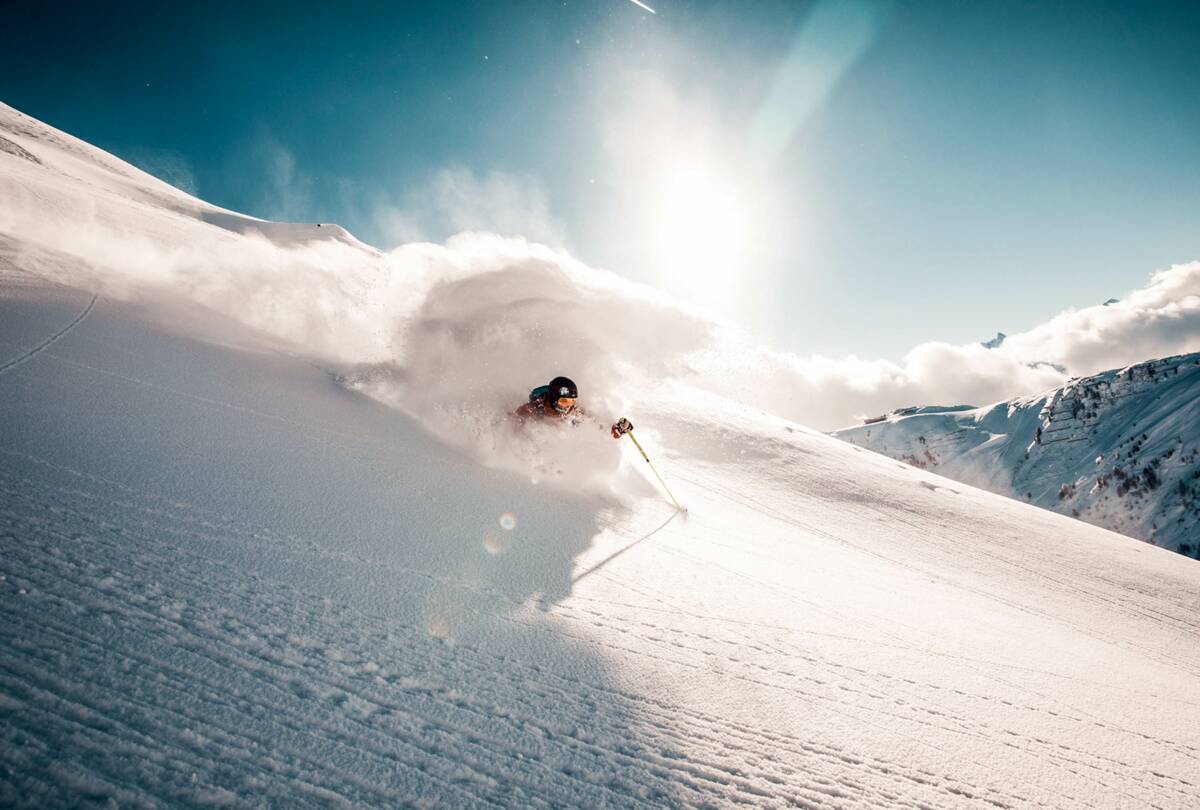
point(1119, 449)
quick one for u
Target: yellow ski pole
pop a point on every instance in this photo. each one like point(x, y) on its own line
point(638, 445)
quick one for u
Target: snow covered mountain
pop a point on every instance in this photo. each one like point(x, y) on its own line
point(268, 538)
point(1119, 449)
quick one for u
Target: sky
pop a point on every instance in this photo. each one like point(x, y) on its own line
point(843, 178)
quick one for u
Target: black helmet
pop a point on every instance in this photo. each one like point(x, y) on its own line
point(562, 388)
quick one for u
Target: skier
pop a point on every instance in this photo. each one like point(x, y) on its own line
point(557, 401)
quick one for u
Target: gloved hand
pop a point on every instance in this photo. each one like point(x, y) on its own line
point(622, 427)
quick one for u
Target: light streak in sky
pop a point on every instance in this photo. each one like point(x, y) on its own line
point(643, 5)
point(832, 39)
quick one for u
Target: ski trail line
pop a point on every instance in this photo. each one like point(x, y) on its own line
point(50, 341)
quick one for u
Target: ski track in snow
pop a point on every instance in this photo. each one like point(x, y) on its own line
point(222, 644)
point(207, 667)
point(50, 341)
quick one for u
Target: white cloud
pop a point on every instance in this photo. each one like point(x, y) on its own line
point(1160, 319)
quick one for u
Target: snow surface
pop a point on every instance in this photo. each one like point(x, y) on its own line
point(1119, 449)
point(267, 539)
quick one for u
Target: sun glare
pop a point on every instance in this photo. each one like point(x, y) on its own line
point(700, 236)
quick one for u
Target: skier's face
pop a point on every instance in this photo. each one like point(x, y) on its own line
point(564, 404)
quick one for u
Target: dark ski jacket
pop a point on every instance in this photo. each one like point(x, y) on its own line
point(541, 408)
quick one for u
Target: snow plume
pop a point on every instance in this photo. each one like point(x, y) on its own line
point(168, 166)
point(456, 199)
point(318, 295)
point(454, 334)
point(503, 316)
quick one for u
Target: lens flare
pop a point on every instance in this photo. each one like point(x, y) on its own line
point(495, 543)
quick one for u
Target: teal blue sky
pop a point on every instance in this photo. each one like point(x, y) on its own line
point(841, 177)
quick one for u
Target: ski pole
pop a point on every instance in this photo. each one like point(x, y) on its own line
point(638, 445)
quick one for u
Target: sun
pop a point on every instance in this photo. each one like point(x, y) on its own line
point(700, 235)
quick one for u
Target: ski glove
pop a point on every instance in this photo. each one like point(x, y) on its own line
point(622, 427)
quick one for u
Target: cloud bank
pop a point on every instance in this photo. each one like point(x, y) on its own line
point(1157, 320)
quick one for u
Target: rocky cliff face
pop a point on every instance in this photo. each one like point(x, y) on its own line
point(1120, 449)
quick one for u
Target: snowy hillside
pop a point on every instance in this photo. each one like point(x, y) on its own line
point(267, 538)
point(1119, 449)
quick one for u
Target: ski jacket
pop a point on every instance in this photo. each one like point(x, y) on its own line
point(541, 408)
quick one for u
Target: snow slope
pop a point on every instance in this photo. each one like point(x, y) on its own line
point(229, 577)
point(1119, 449)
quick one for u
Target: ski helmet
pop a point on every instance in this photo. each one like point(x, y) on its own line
point(562, 394)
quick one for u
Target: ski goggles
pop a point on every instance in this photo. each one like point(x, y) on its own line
point(564, 404)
